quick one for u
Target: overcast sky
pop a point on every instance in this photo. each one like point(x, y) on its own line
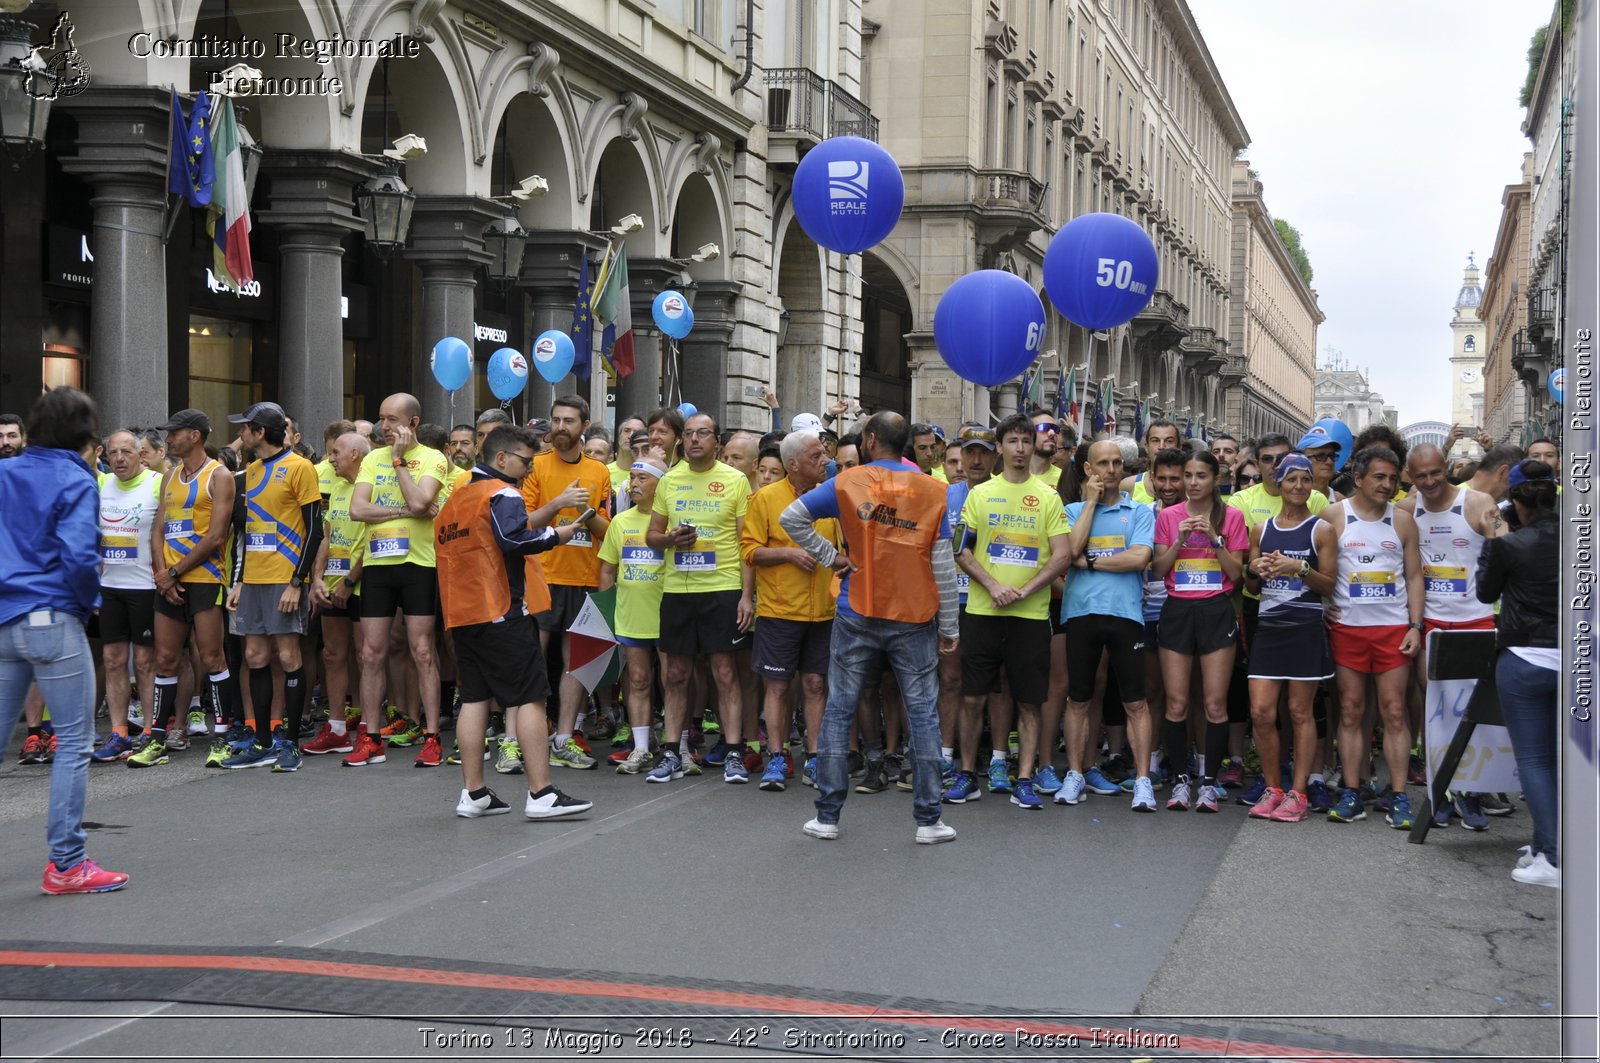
point(1386, 133)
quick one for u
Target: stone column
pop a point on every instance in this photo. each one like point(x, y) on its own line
point(122, 154)
point(447, 245)
point(643, 390)
point(312, 197)
point(550, 275)
point(703, 354)
point(937, 394)
point(803, 364)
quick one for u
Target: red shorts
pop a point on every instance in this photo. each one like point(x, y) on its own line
point(1481, 624)
point(1370, 650)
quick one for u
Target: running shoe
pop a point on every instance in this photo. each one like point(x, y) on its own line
point(999, 777)
point(177, 740)
point(1232, 773)
point(1178, 801)
point(1369, 792)
point(489, 804)
point(197, 722)
point(551, 803)
point(1114, 767)
point(856, 763)
point(1253, 793)
point(637, 761)
point(1013, 744)
point(667, 767)
point(1442, 814)
point(1157, 777)
point(1025, 797)
point(431, 755)
point(808, 774)
point(240, 739)
point(1524, 856)
point(571, 755)
point(368, 750)
point(1207, 799)
point(1096, 782)
point(963, 788)
point(691, 767)
point(815, 828)
point(752, 760)
point(895, 768)
point(116, 747)
point(1349, 807)
point(1319, 798)
point(773, 778)
point(1538, 872)
point(288, 756)
point(733, 769)
point(49, 746)
point(624, 735)
point(1264, 806)
point(1399, 816)
point(1144, 794)
point(218, 753)
point(1417, 771)
point(947, 772)
point(934, 833)
point(1072, 787)
point(254, 757)
point(710, 726)
point(407, 736)
point(86, 877)
point(1384, 801)
point(876, 779)
point(508, 757)
point(1471, 812)
point(1496, 804)
point(394, 723)
point(135, 715)
point(152, 754)
point(1046, 781)
point(328, 742)
point(1292, 809)
point(717, 755)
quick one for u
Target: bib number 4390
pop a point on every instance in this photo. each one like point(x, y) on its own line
point(1110, 273)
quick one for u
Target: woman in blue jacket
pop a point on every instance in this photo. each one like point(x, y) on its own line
point(49, 587)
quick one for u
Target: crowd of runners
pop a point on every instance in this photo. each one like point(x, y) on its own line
point(851, 603)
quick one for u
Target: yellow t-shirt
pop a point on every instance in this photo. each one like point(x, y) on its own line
point(640, 574)
point(1051, 477)
point(713, 501)
point(325, 477)
point(275, 527)
point(1013, 524)
point(1259, 507)
point(347, 539)
point(938, 474)
point(786, 592)
point(405, 540)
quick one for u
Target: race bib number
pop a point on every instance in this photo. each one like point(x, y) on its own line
point(119, 549)
point(337, 566)
point(1283, 587)
point(1106, 545)
point(694, 560)
point(1006, 550)
point(642, 556)
point(963, 582)
point(382, 547)
point(178, 529)
point(580, 538)
point(258, 539)
point(1445, 579)
point(1371, 585)
point(1197, 574)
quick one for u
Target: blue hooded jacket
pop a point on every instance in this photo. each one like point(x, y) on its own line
point(50, 540)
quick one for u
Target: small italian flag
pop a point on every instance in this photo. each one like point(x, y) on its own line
point(230, 238)
point(591, 647)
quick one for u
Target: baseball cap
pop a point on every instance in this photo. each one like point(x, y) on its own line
point(540, 426)
point(1517, 477)
point(262, 415)
point(190, 418)
point(973, 435)
point(805, 422)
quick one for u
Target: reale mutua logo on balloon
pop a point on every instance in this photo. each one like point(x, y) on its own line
point(544, 348)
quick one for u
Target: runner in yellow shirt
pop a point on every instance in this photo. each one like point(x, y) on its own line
point(636, 570)
point(337, 594)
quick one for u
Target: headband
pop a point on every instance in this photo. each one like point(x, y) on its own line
point(645, 466)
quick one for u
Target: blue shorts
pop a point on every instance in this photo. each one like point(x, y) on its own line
point(648, 644)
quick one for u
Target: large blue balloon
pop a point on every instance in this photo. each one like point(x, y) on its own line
point(672, 314)
point(451, 362)
point(988, 326)
point(553, 355)
point(508, 373)
point(1100, 270)
point(847, 194)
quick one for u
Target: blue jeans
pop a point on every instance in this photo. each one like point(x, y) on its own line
point(858, 651)
point(54, 654)
point(1528, 703)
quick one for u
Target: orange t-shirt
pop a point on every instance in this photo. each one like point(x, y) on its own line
point(577, 563)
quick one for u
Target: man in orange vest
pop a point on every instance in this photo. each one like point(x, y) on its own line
point(898, 600)
point(483, 541)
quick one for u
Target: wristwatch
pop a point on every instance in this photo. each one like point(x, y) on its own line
point(1217, 542)
point(1415, 625)
point(172, 572)
point(1305, 568)
point(296, 582)
point(398, 463)
point(1088, 562)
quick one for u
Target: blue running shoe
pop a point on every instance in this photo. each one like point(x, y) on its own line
point(1348, 809)
point(1071, 791)
point(1471, 812)
point(718, 754)
point(1384, 801)
point(1441, 815)
point(777, 768)
point(1097, 783)
point(667, 767)
point(1157, 777)
point(1254, 792)
point(947, 773)
point(999, 778)
point(963, 788)
point(1025, 797)
point(241, 740)
point(1399, 816)
point(115, 747)
point(808, 771)
point(1319, 798)
point(733, 769)
point(1046, 781)
point(288, 756)
point(254, 757)
point(1369, 791)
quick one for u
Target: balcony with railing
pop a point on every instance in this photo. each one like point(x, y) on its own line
point(1015, 189)
point(849, 116)
point(1542, 310)
point(804, 109)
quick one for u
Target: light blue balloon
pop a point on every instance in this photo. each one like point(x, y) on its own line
point(1558, 386)
point(989, 326)
point(451, 362)
point(688, 409)
point(553, 355)
point(672, 314)
point(508, 373)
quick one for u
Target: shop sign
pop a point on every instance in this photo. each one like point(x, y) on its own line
point(68, 258)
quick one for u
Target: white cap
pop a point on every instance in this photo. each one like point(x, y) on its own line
point(805, 422)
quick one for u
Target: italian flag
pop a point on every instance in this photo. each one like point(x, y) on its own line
point(613, 305)
point(230, 239)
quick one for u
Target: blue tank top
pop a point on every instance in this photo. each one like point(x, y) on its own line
point(1287, 599)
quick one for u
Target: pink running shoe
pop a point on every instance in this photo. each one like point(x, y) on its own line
point(87, 877)
point(1264, 808)
point(1292, 809)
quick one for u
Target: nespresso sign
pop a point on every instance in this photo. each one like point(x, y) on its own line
point(68, 259)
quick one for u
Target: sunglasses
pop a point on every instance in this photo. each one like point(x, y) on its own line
point(1271, 459)
point(1048, 427)
point(1249, 479)
point(977, 435)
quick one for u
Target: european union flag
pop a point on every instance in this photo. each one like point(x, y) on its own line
point(583, 325)
point(202, 166)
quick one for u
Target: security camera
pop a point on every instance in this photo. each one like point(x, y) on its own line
point(407, 146)
point(529, 187)
point(630, 223)
point(707, 253)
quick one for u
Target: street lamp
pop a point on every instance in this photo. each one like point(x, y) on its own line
point(506, 241)
point(23, 116)
point(385, 204)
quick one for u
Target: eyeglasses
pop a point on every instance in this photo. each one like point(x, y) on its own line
point(526, 459)
point(1249, 479)
point(976, 435)
point(1320, 458)
point(697, 433)
point(1047, 426)
point(1270, 459)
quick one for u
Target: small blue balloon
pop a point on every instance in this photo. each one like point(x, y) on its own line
point(1558, 386)
point(553, 355)
point(672, 314)
point(1100, 270)
point(688, 409)
point(988, 326)
point(451, 362)
point(848, 193)
point(508, 373)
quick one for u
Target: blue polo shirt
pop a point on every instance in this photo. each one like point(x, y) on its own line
point(955, 496)
point(1115, 528)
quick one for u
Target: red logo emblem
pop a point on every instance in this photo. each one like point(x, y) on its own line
point(1030, 502)
point(715, 487)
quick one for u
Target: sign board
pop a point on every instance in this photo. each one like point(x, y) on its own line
point(1488, 766)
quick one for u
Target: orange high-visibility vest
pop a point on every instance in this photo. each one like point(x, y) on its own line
point(891, 519)
point(473, 588)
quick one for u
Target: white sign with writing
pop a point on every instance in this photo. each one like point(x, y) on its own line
point(488, 332)
point(1488, 766)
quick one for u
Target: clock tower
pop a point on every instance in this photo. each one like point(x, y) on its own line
point(1467, 352)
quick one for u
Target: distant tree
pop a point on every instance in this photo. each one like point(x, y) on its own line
point(1297, 253)
point(1535, 53)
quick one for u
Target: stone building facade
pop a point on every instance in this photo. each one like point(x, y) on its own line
point(1343, 391)
point(1505, 312)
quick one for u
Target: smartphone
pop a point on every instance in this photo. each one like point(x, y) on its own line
point(583, 518)
point(691, 527)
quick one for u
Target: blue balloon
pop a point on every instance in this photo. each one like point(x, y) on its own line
point(688, 409)
point(553, 355)
point(1558, 386)
point(508, 373)
point(988, 326)
point(672, 314)
point(847, 194)
point(1100, 270)
point(451, 362)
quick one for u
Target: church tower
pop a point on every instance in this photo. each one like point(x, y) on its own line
point(1467, 353)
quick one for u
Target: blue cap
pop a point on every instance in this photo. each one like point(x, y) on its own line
point(1517, 478)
